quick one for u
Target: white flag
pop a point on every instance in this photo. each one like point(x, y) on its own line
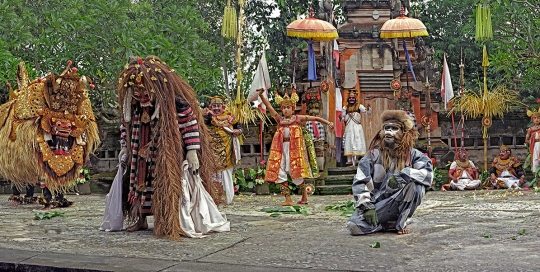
point(261, 79)
point(447, 92)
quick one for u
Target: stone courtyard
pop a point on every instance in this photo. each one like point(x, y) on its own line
point(451, 231)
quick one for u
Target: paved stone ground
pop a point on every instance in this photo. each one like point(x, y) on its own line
point(452, 231)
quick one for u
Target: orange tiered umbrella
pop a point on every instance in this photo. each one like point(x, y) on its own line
point(403, 27)
point(312, 28)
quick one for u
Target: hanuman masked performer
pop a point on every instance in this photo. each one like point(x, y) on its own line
point(391, 178)
point(288, 153)
point(163, 126)
point(354, 139)
point(47, 131)
point(224, 132)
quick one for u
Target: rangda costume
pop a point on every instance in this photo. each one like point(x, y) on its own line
point(409, 168)
point(533, 139)
point(47, 130)
point(162, 121)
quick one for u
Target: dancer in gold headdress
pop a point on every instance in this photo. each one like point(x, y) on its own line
point(288, 151)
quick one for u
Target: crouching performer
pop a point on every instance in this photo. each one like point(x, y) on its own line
point(391, 178)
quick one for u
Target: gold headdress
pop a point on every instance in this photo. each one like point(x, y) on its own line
point(504, 148)
point(216, 100)
point(286, 100)
point(354, 91)
point(533, 113)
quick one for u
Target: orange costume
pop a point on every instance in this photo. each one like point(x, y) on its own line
point(299, 167)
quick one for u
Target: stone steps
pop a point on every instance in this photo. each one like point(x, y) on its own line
point(334, 189)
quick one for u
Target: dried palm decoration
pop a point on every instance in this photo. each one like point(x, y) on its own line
point(490, 104)
point(229, 26)
point(245, 113)
point(484, 30)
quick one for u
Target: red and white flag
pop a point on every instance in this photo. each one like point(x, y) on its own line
point(261, 79)
point(447, 92)
point(336, 53)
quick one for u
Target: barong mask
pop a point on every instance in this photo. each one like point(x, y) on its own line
point(66, 126)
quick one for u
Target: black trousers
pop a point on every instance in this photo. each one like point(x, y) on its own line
point(29, 191)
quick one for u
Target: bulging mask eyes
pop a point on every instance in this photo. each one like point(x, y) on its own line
point(391, 128)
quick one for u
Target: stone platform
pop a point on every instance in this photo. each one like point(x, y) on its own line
point(452, 231)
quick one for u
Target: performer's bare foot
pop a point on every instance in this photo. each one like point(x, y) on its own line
point(403, 231)
point(140, 225)
point(46, 208)
point(287, 202)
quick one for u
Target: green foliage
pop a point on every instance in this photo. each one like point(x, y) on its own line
point(347, 208)
point(484, 175)
point(438, 180)
point(514, 52)
point(277, 211)
point(48, 215)
point(375, 245)
point(101, 36)
point(246, 178)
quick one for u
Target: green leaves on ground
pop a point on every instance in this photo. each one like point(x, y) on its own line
point(522, 232)
point(487, 235)
point(48, 215)
point(347, 208)
point(376, 245)
point(277, 211)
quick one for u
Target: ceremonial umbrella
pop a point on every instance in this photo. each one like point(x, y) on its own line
point(404, 27)
point(315, 30)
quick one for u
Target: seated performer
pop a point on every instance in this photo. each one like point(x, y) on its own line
point(390, 159)
point(288, 151)
point(463, 174)
point(224, 132)
point(506, 172)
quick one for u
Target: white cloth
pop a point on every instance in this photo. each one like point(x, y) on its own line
point(199, 214)
point(228, 184)
point(535, 164)
point(353, 137)
point(113, 218)
point(509, 179)
point(465, 180)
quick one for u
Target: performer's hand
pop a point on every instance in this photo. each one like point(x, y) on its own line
point(492, 177)
point(368, 105)
point(193, 161)
point(122, 156)
point(371, 217)
point(261, 91)
point(207, 111)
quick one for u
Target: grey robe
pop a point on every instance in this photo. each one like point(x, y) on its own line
point(371, 191)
